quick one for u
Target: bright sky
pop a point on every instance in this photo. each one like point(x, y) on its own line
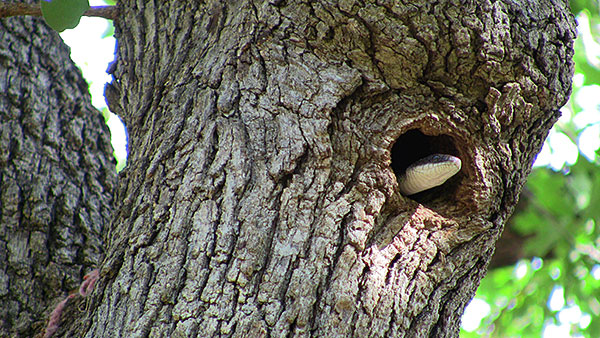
point(560, 150)
point(93, 53)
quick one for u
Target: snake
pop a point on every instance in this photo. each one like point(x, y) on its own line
point(428, 172)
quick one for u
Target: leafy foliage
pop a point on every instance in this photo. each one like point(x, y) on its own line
point(63, 14)
point(562, 220)
point(556, 292)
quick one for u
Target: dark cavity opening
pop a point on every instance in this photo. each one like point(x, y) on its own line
point(414, 145)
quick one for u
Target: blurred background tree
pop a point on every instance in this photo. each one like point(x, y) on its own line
point(544, 280)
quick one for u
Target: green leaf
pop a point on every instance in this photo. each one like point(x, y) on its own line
point(63, 14)
point(580, 5)
point(110, 29)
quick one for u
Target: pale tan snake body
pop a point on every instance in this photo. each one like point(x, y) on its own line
point(428, 172)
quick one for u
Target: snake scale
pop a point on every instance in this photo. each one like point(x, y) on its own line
point(428, 172)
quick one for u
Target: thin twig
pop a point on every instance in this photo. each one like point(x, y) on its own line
point(19, 9)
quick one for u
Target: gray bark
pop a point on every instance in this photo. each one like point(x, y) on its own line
point(260, 197)
point(57, 176)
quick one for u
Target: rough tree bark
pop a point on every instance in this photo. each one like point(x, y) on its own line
point(260, 197)
point(57, 176)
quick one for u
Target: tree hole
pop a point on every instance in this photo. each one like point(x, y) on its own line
point(415, 145)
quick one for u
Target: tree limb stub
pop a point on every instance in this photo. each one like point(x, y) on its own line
point(19, 9)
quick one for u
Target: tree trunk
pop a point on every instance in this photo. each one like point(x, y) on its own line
point(57, 176)
point(260, 197)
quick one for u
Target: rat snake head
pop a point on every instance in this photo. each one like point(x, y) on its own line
point(428, 172)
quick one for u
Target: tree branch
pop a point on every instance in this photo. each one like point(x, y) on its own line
point(19, 9)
